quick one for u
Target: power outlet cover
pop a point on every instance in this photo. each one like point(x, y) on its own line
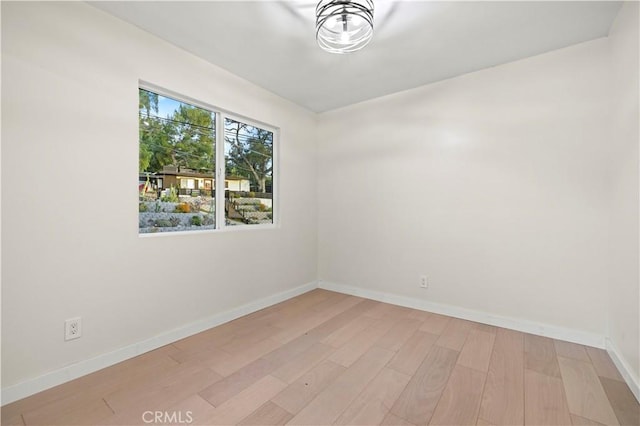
point(72, 328)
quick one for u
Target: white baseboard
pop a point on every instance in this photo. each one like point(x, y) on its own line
point(624, 368)
point(532, 327)
point(21, 390)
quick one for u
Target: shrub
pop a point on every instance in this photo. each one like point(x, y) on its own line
point(171, 197)
point(183, 208)
point(142, 207)
point(161, 223)
point(196, 221)
point(174, 221)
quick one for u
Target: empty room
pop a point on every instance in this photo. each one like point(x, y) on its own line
point(320, 212)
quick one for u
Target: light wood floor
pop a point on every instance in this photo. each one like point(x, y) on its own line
point(326, 358)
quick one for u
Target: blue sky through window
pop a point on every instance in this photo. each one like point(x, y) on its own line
point(167, 106)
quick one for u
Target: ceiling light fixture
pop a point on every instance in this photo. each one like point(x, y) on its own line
point(344, 26)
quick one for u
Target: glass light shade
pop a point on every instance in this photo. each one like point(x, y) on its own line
point(344, 26)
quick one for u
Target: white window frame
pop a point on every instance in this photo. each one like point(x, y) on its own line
point(220, 115)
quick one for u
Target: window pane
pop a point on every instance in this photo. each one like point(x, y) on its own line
point(248, 153)
point(176, 165)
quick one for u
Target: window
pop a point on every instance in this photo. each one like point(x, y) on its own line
point(248, 155)
point(179, 160)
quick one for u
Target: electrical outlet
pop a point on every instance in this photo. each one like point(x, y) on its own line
point(72, 328)
point(423, 282)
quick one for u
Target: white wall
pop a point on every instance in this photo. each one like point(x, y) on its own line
point(69, 125)
point(624, 297)
point(493, 184)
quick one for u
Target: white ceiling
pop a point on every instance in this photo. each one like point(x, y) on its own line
point(272, 44)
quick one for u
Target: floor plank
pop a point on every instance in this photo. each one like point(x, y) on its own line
point(419, 315)
point(228, 366)
point(486, 328)
point(455, 334)
point(477, 350)
point(399, 334)
point(302, 363)
point(222, 390)
point(16, 420)
point(195, 407)
point(435, 324)
point(372, 405)
point(412, 353)
point(174, 386)
point(239, 343)
point(603, 364)
point(503, 397)
point(585, 395)
point(291, 349)
point(268, 414)
point(460, 401)
point(393, 420)
point(204, 353)
point(297, 395)
point(90, 412)
point(540, 355)
point(571, 350)
point(349, 353)
point(545, 403)
point(343, 319)
point(246, 402)
point(581, 421)
point(344, 334)
point(421, 395)
point(331, 402)
point(624, 404)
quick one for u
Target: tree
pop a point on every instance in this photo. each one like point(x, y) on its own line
point(250, 152)
point(147, 102)
point(185, 138)
point(193, 138)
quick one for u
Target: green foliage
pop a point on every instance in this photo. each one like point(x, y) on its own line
point(194, 138)
point(184, 138)
point(196, 221)
point(172, 222)
point(160, 223)
point(142, 207)
point(145, 155)
point(147, 101)
point(250, 152)
point(172, 196)
point(249, 201)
